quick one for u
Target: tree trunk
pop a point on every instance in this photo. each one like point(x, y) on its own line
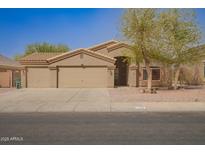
point(170, 76)
point(149, 75)
point(176, 77)
point(137, 74)
point(147, 64)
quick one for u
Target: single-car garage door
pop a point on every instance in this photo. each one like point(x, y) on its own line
point(38, 78)
point(5, 79)
point(82, 77)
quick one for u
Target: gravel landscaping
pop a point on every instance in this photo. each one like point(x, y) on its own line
point(125, 94)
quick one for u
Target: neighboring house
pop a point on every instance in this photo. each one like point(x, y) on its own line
point(10, 70)
point(103, 65)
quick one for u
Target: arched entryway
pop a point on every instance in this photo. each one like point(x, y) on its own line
point(121, 71)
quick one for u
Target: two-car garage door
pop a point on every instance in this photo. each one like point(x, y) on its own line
point(68, 77)
point(82, 77)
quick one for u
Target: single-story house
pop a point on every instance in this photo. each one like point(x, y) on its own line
point(102, 65)
point(10, 70)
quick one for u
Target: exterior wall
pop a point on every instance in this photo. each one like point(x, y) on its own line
point(23, 78)
point(110, 74)
point(114, 53)
point(132, 76)
point(155, 83)
point(78, 62)
point(53, 77)
point(168, 74)
point(69, 72)
point(118, 52)
point(131, 79)
point(6, 79)
point(132, 71)
point(143, 83)
point(103, 51)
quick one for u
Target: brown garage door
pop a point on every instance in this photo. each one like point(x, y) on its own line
point(5, 79)
point(82, 77)
point(38, 78)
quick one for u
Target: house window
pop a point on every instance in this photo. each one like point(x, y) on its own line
point(144, 74)
point(155, 74)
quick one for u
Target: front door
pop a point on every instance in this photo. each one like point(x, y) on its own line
point(121, 71)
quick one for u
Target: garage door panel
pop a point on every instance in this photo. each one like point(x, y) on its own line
point(38, 78)
point(5, 79)
point(95, 77)
point(82, 77)
point(69, 77)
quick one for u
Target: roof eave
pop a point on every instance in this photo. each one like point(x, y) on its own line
point(117, 46)
point(81, 50)
point(11, 67)
point(102, 45)
point(30, 62)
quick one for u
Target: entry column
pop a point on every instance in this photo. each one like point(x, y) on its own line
point(53, 77)
point(133, 76)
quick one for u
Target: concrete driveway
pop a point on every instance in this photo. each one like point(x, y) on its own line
point(56, 100)
point(95, 100)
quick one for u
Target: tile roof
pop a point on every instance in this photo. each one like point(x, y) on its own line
point(100, 54)
point(103, 45)
point(80, 50)
point(43, 58)
point(118, 45)
point(39, 56)
point(9, 63)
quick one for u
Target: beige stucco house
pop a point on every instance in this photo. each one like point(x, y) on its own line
point(102, 65)
point(9, 72)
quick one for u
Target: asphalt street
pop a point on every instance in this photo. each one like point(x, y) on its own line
point(103, 128)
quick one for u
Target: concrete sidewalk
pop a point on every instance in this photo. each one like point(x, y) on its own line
point(84, 100)
point(158, 107)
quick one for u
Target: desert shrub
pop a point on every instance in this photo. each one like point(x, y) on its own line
point(190, 75)
point(166, 76)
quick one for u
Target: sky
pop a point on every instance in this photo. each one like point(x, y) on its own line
point(76, 28)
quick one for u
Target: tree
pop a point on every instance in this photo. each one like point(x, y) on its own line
point(17, 56)
point(134, 56)
point(140, 27)
point(42, 47)
point(179, 35)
